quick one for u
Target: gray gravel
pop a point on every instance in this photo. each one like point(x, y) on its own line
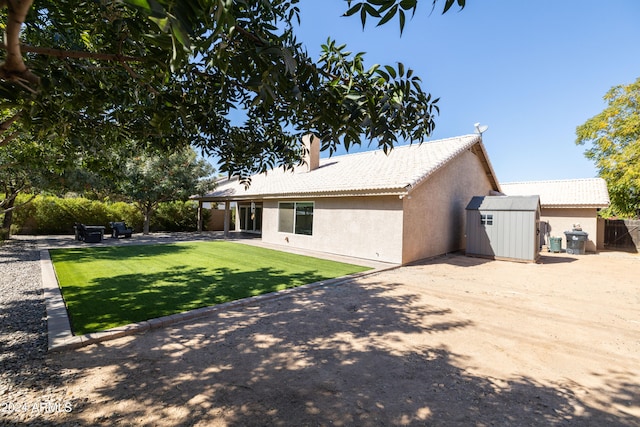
point(27, 377)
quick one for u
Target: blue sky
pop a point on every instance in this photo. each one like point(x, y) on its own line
point(531, 70)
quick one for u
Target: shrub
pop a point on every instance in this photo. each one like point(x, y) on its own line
point(55, 215)
point(121, 211)
point(175, 216)
point(24, 217)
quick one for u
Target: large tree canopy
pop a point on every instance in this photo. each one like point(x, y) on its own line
point(151, 179)
point(614, 139)
point(170, 74)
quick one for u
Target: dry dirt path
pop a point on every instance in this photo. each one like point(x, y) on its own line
point(453, 341)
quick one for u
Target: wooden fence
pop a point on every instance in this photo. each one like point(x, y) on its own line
point(622, 234)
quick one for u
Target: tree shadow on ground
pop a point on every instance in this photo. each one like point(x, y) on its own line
point(352, 354)
point(131, 298)
point(114, 253)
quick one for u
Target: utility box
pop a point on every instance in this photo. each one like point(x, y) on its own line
point(504, 227)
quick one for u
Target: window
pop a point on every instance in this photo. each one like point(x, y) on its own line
point(295, 217)
point(486, 219)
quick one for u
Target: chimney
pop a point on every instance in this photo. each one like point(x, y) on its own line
point(311, 155)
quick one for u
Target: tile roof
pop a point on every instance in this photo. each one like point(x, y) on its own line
point(588, 192)
point(366, 173)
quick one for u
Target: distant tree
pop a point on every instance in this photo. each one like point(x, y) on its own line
point(149, 179)
point(26, 166)
point(170, 73)
point(30, 165)
point(614, 139)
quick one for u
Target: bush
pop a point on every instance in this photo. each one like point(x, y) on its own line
point(55, 215)
point(175, 216)
point(24, 221)
point(121, 211)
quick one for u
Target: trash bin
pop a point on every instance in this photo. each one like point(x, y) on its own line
point(555, 244)
point(576, 241)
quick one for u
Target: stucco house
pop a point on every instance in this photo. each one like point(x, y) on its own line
point(566, 203)
point(398, 207)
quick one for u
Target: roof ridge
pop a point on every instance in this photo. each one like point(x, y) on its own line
point(370, 172)
point(418, 178)
point(551, 180)
point(398, 147)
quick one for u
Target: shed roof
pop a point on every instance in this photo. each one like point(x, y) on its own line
point(366, 173)
point(504, 203)
point(568, 193)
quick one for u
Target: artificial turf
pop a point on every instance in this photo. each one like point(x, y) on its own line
point(105, 287)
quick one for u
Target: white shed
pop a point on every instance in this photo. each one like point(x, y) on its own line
point(504, 227)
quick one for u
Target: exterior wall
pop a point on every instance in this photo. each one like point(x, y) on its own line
point(512, 235)
point(561, 220)
point(434, 215)
point(361, 227)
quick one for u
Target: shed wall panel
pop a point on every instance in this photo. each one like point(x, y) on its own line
point(512, 234)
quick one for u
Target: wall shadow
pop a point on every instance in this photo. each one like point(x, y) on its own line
point(557, 259)
point(457, 259)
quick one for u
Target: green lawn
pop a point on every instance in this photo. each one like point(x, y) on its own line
point(105, 287)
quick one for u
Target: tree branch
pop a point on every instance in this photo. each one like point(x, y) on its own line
point(14, 68)
point(7, 123)
point(257, 40)
point(9, 138)
point(5, 210)
point(137, 77)
point(77, 54)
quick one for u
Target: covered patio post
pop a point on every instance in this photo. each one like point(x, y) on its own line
point(227, 218)
point(199, 215)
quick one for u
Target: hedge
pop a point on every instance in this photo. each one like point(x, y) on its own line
point(55, 215)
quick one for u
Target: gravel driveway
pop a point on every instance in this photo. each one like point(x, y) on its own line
point(452, 341)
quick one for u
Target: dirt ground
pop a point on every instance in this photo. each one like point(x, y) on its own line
point(452, 341)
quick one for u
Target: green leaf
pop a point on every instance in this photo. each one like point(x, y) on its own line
point(391, 71)
point(164, 24)
point(450, 3)
point(408, 4)
point(371, 10)
point(142, 4)
point(388, 16)
point(352, 11)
